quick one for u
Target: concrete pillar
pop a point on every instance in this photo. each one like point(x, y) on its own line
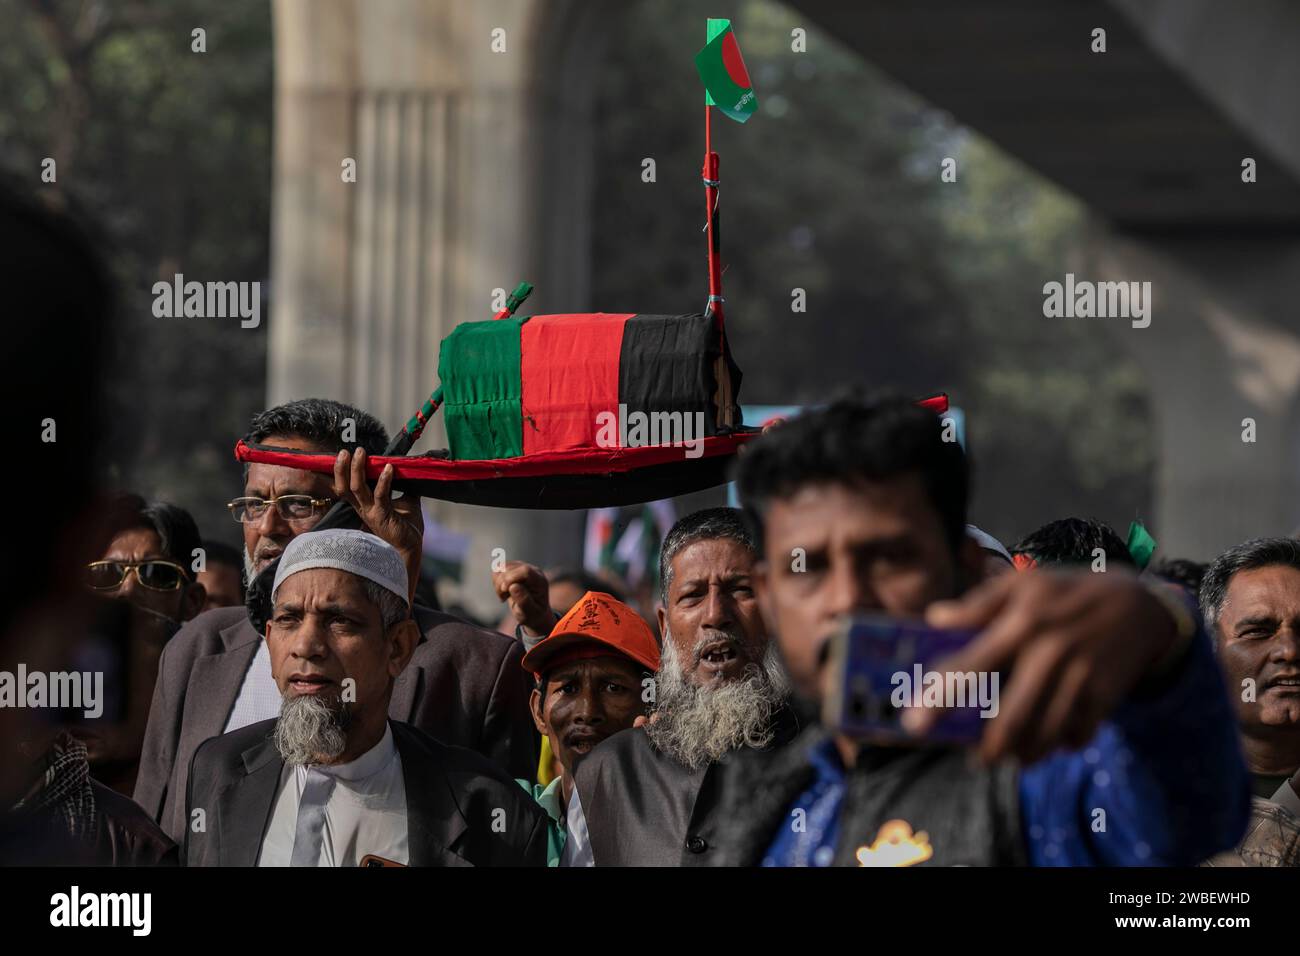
point(1223, 346)
point(473, 173)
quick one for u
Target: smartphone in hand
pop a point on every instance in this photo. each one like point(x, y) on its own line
point(881, 666)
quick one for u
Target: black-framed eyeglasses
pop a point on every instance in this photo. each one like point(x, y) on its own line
point(155, 574)
point(289, 507)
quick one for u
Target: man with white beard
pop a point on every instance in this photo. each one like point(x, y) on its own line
point(645, 797)
point(333, 781)
point(465, 684)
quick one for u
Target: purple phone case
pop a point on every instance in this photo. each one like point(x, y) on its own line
point(865, 659)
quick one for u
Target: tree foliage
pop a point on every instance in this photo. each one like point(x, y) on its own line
point(911, 283)
point(169, 152)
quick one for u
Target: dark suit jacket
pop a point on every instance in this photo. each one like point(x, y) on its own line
point(454, 802)
point(464, 685)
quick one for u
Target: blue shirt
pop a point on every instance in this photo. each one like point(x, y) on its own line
point(1161, 784)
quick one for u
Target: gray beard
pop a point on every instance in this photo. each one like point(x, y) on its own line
point(249, 573)
point(697, 725)
point(310, 731)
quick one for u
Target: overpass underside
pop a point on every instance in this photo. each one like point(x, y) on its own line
point(1151, 135)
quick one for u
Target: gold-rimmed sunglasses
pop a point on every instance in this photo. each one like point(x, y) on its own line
point(156, 574)
point(288, 507)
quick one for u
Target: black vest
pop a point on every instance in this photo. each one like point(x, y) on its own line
point(970, 815)
point(645, 809)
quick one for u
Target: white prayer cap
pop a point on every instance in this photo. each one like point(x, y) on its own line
point(357, 552)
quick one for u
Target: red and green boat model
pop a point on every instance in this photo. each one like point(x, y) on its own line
point(553, 411)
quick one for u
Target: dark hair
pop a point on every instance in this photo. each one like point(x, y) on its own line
point(320, 421)
point(583, 579)
point(176, 530)
point(1181, 571)
point(1072, 541)
point(851, 442)
point(706, 525)
point(1256, 553)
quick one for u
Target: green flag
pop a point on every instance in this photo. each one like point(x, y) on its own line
point(1140, 544)
point(726, 81)
point(712, 29)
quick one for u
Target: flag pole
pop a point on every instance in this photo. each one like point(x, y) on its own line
point(708, 129)
point(712, 224)
point(713, 227)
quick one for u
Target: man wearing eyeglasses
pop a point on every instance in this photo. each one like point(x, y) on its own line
point(146, 564)
point(149, 558)
point(464, 685)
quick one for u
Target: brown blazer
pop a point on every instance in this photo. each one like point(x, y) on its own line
point(464, 686)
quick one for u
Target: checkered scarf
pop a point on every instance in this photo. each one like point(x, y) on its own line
point(65, 790)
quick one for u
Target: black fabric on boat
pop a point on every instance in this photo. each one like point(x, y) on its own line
point(569, 492)
point(666, 364)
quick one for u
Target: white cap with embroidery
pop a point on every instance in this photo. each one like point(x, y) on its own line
point(344, 549)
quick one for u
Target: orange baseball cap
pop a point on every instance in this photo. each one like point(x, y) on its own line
point(594, 627)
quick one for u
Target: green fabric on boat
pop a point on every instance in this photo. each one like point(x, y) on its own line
point(478, 365)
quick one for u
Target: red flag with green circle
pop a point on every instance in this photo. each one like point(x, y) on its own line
point(726, 81)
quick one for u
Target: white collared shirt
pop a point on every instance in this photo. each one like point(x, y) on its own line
point(365, 812)
point(577, 843)
point(259, 699)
